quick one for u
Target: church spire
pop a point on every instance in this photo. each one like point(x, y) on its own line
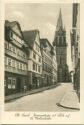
point(59, 22)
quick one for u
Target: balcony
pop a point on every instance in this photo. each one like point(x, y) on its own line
point(14, 70)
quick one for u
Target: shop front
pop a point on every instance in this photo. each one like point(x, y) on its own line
point(36, 80)
point(14, 83)
point(47, 78)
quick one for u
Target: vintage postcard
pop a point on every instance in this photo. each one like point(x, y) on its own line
point(41, 44)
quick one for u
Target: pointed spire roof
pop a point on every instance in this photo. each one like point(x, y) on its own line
point(59, 22)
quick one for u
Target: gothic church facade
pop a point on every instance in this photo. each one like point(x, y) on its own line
point(61, 51)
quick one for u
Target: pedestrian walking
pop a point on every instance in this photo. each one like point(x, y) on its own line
point(25, 88)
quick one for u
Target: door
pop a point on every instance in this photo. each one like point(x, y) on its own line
point(18, 84)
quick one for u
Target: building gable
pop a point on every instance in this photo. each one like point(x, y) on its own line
point(16, 28)
point(30, 37)
point(37, 39)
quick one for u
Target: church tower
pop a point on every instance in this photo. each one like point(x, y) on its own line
point(61, 50)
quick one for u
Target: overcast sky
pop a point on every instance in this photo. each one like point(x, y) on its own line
point(43, 17)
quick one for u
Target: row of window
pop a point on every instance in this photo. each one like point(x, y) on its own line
point(47, 68)
point(11, 83)
point(35, 57)
point(61, 60)
point(61, 40)
point(62, 50)
point(55, 78)
point(37, 47)
point(15, 50)
point(14, 63)
point(36, 67)
point(46, 59)
point(15, 37)
point(55, 66)
point(54, 70)
point(47, 52)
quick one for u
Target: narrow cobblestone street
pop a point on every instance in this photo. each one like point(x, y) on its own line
point(43, 101)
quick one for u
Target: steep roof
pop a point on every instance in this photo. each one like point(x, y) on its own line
point(7, 23)
point(12, 24)
point(59, 22)
point(44, 40)
point(30, 37)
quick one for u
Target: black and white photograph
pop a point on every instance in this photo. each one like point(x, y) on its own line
point(42, 57)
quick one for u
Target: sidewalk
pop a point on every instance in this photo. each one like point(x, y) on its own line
point(18, 95)
point(70, 100)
